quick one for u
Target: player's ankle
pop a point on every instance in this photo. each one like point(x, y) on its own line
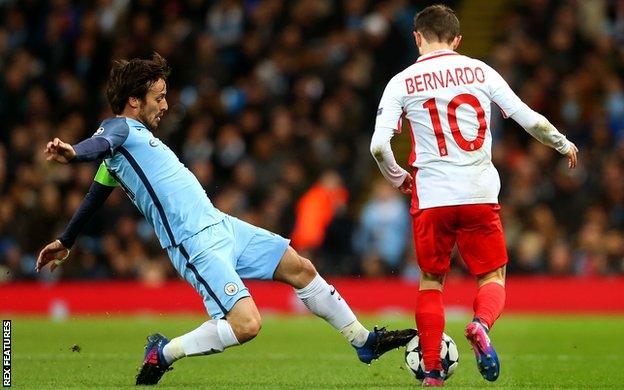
point(481, 322)
point(173, 351)
point(355, 333)
point(434, 373)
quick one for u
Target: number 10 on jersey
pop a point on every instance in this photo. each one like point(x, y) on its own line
point(451, 109)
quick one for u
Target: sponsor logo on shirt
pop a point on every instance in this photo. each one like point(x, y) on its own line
point(379, 111)
point(99, 131)
point(153, 142)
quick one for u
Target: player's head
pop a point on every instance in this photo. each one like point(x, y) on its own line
point(436, 25)
point(137, 88)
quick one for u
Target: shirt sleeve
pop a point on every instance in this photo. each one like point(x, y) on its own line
point(387, 124)
point(91, 149)
point(113, 130)
point(542, 130)
point(531, 121)
point(97, 195)
point(390, 106)
point(382, 152)
point(502, 94)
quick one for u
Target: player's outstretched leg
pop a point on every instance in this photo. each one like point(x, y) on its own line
point(323, 300)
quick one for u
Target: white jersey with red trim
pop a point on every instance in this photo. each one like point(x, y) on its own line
point(446, 98)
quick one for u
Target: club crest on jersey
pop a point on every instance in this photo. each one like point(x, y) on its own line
point(153, 142)
point(231, 289)
point(99, 131)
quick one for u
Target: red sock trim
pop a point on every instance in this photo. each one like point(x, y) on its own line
point(489, 303)
point(430, 324)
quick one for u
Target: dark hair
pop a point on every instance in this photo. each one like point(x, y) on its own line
point(133, 79)
point(437, 23)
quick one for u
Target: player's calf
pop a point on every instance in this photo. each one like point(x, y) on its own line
point(211, 337)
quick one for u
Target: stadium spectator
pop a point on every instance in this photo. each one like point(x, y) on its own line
point(316, 210)
point(384, 231)
point(291, 95)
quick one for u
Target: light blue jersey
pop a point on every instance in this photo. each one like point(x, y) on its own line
point(162, 188)
point(210, 249)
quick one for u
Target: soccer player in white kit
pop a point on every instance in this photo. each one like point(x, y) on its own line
point(446, 100)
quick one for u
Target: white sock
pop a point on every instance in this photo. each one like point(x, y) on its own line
point(356, 333)
point(324, 301)
point(211, 337)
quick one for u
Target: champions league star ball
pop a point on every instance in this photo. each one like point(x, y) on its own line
point(448, 353)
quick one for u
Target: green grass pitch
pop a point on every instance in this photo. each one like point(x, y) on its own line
point(304, 352)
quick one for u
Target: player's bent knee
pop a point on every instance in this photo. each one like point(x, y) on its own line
point(307, 268)
point(245, 319)
point(432, 277)
point(303, 273)
point(431, 281)
point(252, 327)
point(246, 328)
point(294, 269)
point(496, 276)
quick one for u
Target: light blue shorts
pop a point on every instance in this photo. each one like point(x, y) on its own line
point(216, 259)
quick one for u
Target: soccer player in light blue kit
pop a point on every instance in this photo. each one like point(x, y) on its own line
point(210, 249)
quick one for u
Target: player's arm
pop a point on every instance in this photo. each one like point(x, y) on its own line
point(531, 121)
point(101, 145)
point(90, 149)
point(542, 130)
point(388, 119)
point(58, 250)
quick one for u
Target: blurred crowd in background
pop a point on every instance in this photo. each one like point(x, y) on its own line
point(272, 104)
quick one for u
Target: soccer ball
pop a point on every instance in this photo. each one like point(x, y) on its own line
point(448, 353)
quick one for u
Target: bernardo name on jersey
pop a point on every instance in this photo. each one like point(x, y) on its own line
point(443, 79)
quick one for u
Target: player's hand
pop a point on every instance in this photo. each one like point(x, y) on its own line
point(572, 156)
point(59, 151)
point(407, 185)
point(54, 253)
